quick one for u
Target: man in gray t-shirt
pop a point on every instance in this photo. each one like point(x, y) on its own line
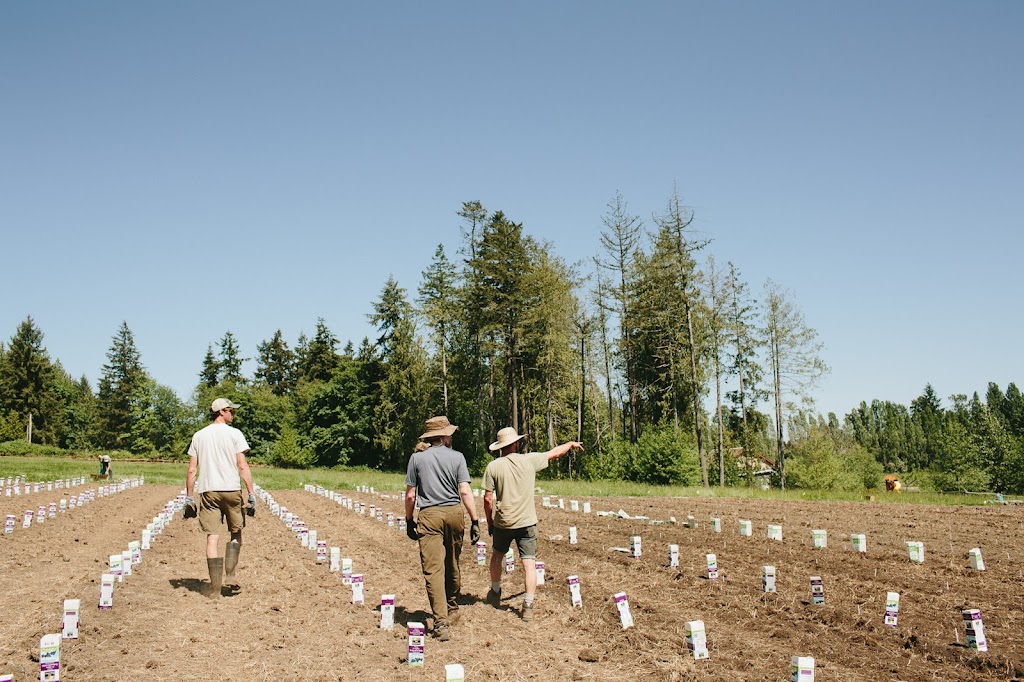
point(438, 479)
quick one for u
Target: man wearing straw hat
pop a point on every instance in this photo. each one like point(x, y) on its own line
point(437, 481)
point(511, 515)
point(216, 461)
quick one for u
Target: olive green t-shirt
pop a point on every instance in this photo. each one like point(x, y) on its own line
point(512, 478)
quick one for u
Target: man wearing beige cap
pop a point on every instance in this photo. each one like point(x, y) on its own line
point(217, 454)
point(437, 481)
point(511, 515)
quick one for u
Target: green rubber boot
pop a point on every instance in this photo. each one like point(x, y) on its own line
point(231, 562)
point(216, 567)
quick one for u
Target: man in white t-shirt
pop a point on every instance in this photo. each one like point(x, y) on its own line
point(217, 453)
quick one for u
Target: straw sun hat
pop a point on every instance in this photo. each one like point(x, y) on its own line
point(506, 437)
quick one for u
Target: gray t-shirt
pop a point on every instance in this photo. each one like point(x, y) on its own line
point(436, 474)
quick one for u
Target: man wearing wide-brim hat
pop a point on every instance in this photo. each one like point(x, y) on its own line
point(508, 504)
point(437, 481)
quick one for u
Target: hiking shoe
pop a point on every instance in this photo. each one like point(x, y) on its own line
point(493, 598)
point(527, 613)
point(441, 632)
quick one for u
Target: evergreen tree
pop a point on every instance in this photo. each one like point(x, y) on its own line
point(230, 361)
point(275, 365)
point(927, 412)
point(209, 375)
point(320, 358)
point(437, 300)
point(403, 389)
point(28, 384)
point(123, 393)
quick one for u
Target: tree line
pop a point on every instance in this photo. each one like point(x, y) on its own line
point(657, 356)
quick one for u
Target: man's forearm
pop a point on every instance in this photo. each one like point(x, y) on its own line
point(468, 502)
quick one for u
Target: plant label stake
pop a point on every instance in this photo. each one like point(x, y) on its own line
point(335, 559)
point(387, 611)
point(860, 542)
point(975, 630)
point(574, 590)
point(72, 608)
point(673, 556)
point(691, 522)
point(768, 579)
point(634, 547)
point(696, 639)
point(712, 567)
point(802, 669)
point(49, 658)
point(775, 533)
point(625, 617)
point(481, 553)
point(892, 607)
point(346, 571)
point(572, 535)
point(357, 589)
point(977, 563)
point(454, 672)
point(819, 539)
point(586, 507)
point(817, 590)
point(746, 528)
point(540, 573)
point(321, 551)
point(716, 524)
point(106, 592)
point(574, 505)
point(915, 550)
point(115, 567)
point(417, 643)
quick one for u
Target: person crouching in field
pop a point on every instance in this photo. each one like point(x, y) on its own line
point(509, 507)
point(218, 453)
point(437, 481)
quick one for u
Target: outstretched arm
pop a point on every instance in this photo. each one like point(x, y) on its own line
point(564, 448)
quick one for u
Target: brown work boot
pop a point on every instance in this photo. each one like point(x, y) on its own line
point(216, 568)
point(527, 612)
point(493, 598)
point(230, 563)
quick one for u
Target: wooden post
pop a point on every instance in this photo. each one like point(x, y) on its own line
point(28, 429)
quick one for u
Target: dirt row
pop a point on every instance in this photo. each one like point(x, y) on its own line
point(292, 618)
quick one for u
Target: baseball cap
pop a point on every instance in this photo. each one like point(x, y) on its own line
point(223, 403)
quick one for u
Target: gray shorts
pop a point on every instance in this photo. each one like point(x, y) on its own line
point(525, 539)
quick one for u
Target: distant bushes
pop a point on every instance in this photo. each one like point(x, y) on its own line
point(662, 456)
point(19, 448)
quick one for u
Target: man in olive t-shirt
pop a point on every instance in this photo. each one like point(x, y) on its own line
point(508, 503)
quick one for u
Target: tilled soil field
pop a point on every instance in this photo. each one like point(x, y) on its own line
point(293, 620)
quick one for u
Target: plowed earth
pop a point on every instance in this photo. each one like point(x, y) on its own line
point(293, 620)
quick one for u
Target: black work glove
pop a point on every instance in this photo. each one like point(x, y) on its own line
point(251, 507)
point(490, 529)
point(190, 511)
point(474, 532)
point(410, 530)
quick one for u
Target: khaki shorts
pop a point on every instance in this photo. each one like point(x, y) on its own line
point(525, 539)
point(217, 506)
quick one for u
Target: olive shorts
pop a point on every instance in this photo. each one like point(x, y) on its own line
point(216, 506)
point(525, 539)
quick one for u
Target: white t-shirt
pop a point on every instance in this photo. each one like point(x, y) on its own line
point(216, 447)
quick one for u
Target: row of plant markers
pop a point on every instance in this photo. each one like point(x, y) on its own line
point(121, 565)
point(15, 486)
point(51, 510)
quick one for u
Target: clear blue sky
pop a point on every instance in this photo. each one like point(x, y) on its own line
point(196, 167)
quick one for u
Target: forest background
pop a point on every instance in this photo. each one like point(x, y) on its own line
point(668, 365)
